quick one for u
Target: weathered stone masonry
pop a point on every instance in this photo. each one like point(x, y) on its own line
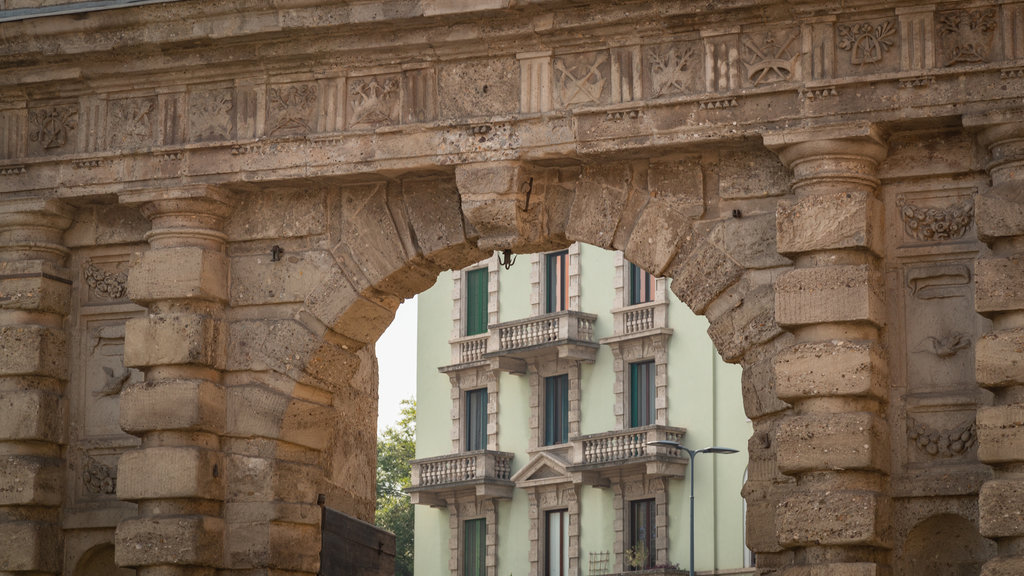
point(209, 211)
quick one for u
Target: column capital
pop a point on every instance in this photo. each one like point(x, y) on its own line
point(32, 228)
point(862, 139)
point(190, 215)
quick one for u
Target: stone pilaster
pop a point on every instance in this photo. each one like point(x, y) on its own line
point(835, 442)
point(999, 295)
point(176, 476)
point(35, 296)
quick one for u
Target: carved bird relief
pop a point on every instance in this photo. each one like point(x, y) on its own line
point(114, 383)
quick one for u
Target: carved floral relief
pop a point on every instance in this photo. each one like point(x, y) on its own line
point(673, 69)
point(867, 42)
point(931, 224)
point(97, 477)
point(209, 115)
point(942, 443)
point(105, 284)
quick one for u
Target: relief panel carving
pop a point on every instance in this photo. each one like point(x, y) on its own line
point(374, 100)
point(104, 375)
point(582, 79)
point(942, 443)
point(931, 220)
point(868, 46)
point(97, 477)
point(676, 68)
point(291, 109)
point(51, 129)
point(210, 115)
point(967, 36)
point(131, 122)
point(771, 56)
point(106, 281)
point(721, 61)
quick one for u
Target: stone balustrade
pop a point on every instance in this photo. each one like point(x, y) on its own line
point(624, 445)
point(640, 318)
point(467, 349)
point(540, 330)
point(480, 465)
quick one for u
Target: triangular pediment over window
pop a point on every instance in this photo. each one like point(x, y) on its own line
point(543, 469)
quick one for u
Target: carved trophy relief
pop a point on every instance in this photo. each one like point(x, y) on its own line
point(106, 284)
point(929, 224)
point(291, 110)
point(50, 128)
point(209, 115)
point(867, 42)
point(673, 69)
point(581, 79)
point(374, 100)
point(773, 56)
point(967, 35)
point(131, 122)
point(946, 443)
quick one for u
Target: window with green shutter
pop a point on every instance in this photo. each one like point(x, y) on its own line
point(556, 409)
point(474, 547)
point(476, 301)
point(641, 393)
point(476, 419)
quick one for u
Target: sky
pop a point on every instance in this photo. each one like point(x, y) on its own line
point(396, 364)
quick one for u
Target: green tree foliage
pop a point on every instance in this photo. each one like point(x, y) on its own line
point(395, 448)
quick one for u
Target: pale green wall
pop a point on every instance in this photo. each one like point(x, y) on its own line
point(700, 384)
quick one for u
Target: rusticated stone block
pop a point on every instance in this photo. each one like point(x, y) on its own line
point(656, 236)
point(602, 196)
point(172, 405)
point(751, 173)
point(294, 547)
point(1012, 566)
point(279, 213)
point(255, 279)
point(290, 348)
point(35, 285)
point(187, 272)
point(177, 540)
point(259, 411)
point(999, 358)
point(749, 241)
point(1001, 508)
point(829, 294)
point(175, 338)
point(999, 212)
point(32, 350)
point(702, 274)
point(759, 393)
point(435, 216)
point(998, 285)
point(851, 441)
point(31, 415)
point(1001, 434)
point(835, 368)
point(29, 547)
point(829, 221)
point(749, 323)
point(335, 303)
point(30, 481)
point(834, 569)
point(169, 472)
point(832, 519)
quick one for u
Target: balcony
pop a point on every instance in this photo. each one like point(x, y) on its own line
point(441, 479)
point(597, 456)
point(639, 320)
point(569, 332)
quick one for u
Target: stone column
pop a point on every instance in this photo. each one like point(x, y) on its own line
point(176, 476)
point(35, 296)
point(999, 354)
point(835, 442)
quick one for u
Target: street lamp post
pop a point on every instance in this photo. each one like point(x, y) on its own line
point(693, 467)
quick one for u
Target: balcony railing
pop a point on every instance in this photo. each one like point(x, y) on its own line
point(539, 330)
point(465, 467)
point(640, 318)
point(468, 349)
point(622, 445)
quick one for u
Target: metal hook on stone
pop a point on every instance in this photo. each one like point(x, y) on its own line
point(509, 258)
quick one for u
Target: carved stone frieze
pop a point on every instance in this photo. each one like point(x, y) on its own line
point(967, 35)
point(942, 443)
point(50, 128)
point(931, 224)
point(209, 115)
point(772, 56)
point(674, 69)
point(582, 79)
point(374, 100)
point(104, 284)
point(132, 122)
point(291, 109)
point(867, 42)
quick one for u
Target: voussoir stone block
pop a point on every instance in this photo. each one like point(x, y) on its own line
point(31, 415)
point(832, 518)
point(35, 285)
point(1000, 433)
point(169, 472)
point(186, 272)
point(175, 338)
point(29, 547)
point(702, 274)
point(999, 358)
point(178, 540)
point(31, 350)
point(835, 368)
point(1001, 508)
point(829, 294)
point(829, 221)
point(30, 481)
point(998, 285)
point(172, 405)
point(848, 441)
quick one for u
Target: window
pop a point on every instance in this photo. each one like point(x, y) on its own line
point(474, 547)
point(642, 534)
point(476, 301)
point(641, 393)
point(476, 419)
point(556, 409)
point(557, 558)
point(641, 285)
point(556, 281)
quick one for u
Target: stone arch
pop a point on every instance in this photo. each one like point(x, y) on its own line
point(945, 545)
point(99, 561)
